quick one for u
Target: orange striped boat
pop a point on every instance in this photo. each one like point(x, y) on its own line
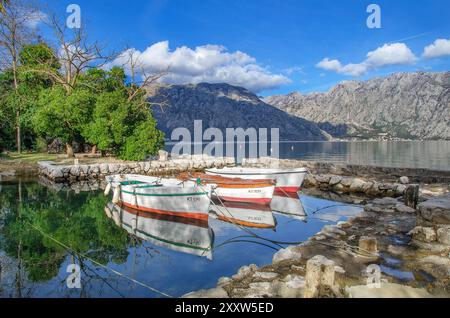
point(234, 189)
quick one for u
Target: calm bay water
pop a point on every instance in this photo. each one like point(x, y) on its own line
point(33, 264)
point(411, 154)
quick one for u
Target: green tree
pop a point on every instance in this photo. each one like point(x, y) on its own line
point(121, 125)
point(62, 115)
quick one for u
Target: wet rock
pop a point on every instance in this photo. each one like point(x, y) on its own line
point(386, 201)
point(289, 253)
point(387, 290)
point(399, 207)
point(443, 235)
point(411, 195)
point(404, 180)
point(217, 292)
point(424, 234)
point(436, 210)
point(368, 244)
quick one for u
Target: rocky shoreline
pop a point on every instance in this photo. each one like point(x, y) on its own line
point(409, 247)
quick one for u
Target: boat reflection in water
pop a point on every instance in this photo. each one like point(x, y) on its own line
point(288, 204)
point(244, 214)
point(180, 234)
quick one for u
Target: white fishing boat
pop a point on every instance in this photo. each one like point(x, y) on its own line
point(180, 234)
point(160, 195)
point(234, 189)
point(288, 204)
point(244, 214)
point(287, 180)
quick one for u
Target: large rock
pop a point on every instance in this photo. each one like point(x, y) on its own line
point(423, 234)
point(443, 235)
point(320, 271)
point(436, 210)
point(357, 185)
point(289, 253)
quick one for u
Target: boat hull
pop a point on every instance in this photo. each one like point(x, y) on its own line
point(244, 214)
point(169, 198)
point(289, 181)
point(257, 195)
point(178, 234)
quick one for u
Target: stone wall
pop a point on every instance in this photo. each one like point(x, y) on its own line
point(75, 173)
point(350, 185)
point(366, 171)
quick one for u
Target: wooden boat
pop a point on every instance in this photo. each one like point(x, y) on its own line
point(163, 196)
point(180, 234)
point(245, 214)
point(235, 189)
point(288, 204)
point(287, 180)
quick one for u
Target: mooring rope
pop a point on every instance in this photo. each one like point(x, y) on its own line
point(99, 264)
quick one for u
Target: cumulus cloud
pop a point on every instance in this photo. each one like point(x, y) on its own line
point(440, 47)
point(207, 63)
point(386, 55)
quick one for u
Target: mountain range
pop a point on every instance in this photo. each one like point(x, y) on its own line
point(225, 106)
point(402, 105)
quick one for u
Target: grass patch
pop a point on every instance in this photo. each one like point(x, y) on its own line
point(30, 158)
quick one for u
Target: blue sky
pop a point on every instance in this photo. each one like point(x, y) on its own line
point(272, 46)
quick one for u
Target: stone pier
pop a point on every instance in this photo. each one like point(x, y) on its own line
point(75, 173)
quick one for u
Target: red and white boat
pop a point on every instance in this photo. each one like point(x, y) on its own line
point(172, 232)
point(258, 191)
point(287, 180)
point(159, 195)
point(244, 214)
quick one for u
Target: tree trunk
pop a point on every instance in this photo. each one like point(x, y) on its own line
point(94, 149)
point(69, 150)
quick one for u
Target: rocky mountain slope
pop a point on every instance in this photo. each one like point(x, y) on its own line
point(402, 105)
point(224, 106)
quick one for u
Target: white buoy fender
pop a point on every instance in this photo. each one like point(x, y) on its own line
point(116, 195)
point(107, 189)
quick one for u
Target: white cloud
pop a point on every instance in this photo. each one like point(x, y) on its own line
point(294, 69)
point(440, 47)
point(207, 63)
point(388, 54)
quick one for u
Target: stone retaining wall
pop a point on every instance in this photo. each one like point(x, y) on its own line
point(376, 172)
point(354, 185)
point(74, 173)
